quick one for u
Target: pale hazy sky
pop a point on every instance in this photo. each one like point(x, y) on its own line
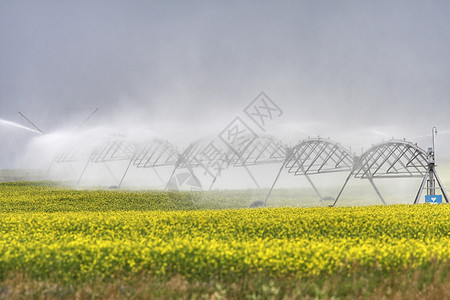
point(334, 67)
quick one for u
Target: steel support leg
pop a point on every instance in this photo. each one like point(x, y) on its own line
point(441, 186)
point(422, 185)
point(274, 182)
point(82, 173)
point(157, 174)
point(217, 175)
point(110, 172)
point(313, 186)
point(376, 190)
point(170, 178)
point(342, 189)
point(125, 173)
point(251, 175)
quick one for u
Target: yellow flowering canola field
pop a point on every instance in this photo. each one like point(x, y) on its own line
point(200, 244)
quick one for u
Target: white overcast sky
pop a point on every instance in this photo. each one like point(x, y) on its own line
point(344, 69)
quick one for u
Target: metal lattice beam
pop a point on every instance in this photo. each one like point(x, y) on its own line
point(72, 154)
point(204, 154)
point(315, 156)
point(155, 153)
point(114, 150)
point(393, 159)
point(262, 150)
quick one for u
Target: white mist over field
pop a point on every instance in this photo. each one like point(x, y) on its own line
point(358, 73)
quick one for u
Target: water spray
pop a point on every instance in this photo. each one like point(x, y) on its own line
point(31, 122)
point(14, 124)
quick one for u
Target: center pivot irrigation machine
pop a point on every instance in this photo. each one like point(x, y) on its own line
point(212, 158)
point(203, 154)
point(156, 153)
point(263, 150)
point(400, 159)
point(392, 159)
point(313, 156)
point(151, 154)
point(114, 150)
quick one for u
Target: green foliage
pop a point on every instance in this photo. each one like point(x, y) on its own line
point(51, 197)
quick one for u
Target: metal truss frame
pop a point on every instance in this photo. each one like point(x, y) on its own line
point(113, 150)
point(262, 150)
point(70, 155)
point(430, 179)
point(312, 156)
point(155, 153)
point(213, 159)
point(205, 154)
point(394, 159)
point(315, 156)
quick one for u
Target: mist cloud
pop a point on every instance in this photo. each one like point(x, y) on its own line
point(348, 70)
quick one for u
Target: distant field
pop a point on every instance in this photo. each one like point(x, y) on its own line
point(21, 175)
point(62, 243)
